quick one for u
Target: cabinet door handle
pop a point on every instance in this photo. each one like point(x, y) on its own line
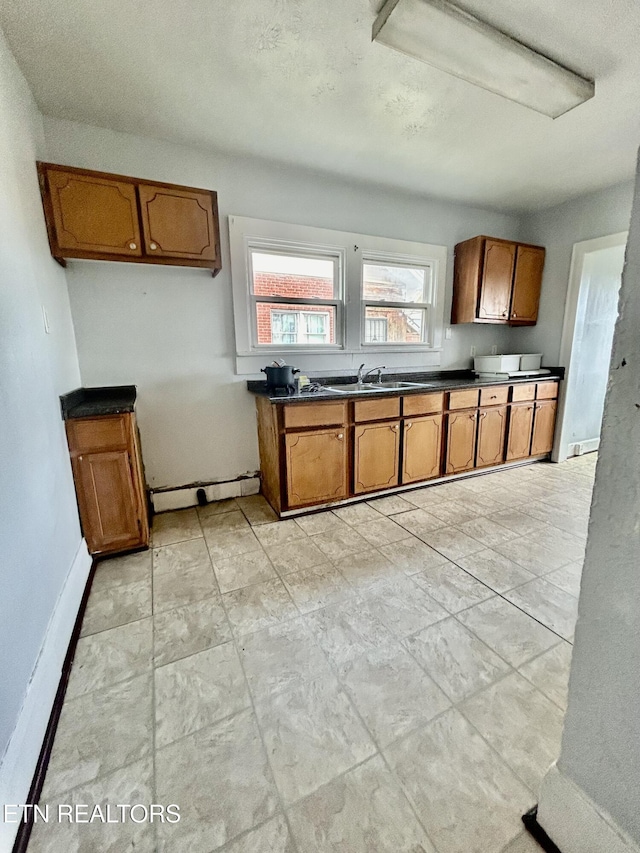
point(408, 425)
point(340, 436)
point(395, 427)
point(153, 245)
point(505, 313)
point(483, 415)
point(133, 245)
point(473, 416)
point(514, 315)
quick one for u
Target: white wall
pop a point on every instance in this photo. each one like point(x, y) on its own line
point(39, 530)
point(558, 228)
point(170, 330)
point(599, 766)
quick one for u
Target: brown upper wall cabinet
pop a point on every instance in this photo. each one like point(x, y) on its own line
point(497, 281)
point(98, 216)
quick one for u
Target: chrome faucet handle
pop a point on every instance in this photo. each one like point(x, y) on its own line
point(373, 370)
point(360, 374)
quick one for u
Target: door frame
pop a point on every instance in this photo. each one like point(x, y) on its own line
point(580, 251)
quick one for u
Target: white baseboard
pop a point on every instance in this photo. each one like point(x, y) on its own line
point(573, 821)
point(578, 448)
point(181, 498)
point(19, 761)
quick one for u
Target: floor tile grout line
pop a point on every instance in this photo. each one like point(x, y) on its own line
point(537, 577)
point(264, 746)
point(118, 625)
point(374, 740)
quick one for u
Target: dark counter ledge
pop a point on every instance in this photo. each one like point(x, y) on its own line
point(94, 402)
point(445, 380)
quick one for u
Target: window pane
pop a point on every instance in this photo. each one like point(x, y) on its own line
point(402, 325)
point(385, 283)
point(375, 330)
point(288, 275)
point(295, 324)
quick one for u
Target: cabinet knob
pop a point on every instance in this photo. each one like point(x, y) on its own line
point(340, 436)
point(395, 427)
point(483, 415)
point(505, 313)
point(408, 425)
point(473, 416)
point(514, 315)
point(153, 245)
point(133, 245)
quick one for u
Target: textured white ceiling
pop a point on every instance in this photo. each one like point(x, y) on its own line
point(301, 81)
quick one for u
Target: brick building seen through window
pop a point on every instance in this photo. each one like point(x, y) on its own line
point(290, 323)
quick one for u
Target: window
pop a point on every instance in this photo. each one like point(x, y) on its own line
point(398, 295)
point(323, 299)
point(296, 298)
point(298, 327)
point(375, 330)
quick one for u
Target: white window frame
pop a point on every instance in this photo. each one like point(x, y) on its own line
point(281, 247)
point(351, 249)
point(387, 259)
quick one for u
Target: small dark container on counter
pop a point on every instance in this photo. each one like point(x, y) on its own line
point(280, 377)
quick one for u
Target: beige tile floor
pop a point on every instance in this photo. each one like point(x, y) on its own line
point(390, 677)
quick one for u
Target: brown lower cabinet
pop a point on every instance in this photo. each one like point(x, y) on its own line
point(109, 481)
point(492, 428)
point(316, 464)
point(376, 452)
point(461, 441)
point(520, 428)
point(315, 453)
point(544, 423)
point(421, 451)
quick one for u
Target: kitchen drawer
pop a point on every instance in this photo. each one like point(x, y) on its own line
point(376, 410)
point(314, 414)
point(422, 404)
point(467, 399)
point(94, 434)
point(547, 391)
point(522, 393)
point(497, 395)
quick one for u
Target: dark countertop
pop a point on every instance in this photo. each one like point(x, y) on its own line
point(94, 402)
point(445, 380)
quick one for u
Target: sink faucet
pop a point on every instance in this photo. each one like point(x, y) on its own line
point(363, 375)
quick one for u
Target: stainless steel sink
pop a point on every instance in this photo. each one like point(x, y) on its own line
point(390, 384)
point(357, 387)
point(370, 387)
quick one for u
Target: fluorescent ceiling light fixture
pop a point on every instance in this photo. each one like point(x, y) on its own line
point(447, 37)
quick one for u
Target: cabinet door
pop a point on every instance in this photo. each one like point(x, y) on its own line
point(492, 424)
point(520, 427)
point(461, 441)
point(93, 214)
point(496, 281)
point(421, 451)
point(178, 223)
point(108, 501)
point(544, 426)
point(526, 285)
point(376, 456)
point(316, 464)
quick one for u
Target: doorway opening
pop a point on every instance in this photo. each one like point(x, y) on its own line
point(591, 312)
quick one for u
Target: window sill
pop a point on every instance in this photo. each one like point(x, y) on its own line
point(340, 361)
